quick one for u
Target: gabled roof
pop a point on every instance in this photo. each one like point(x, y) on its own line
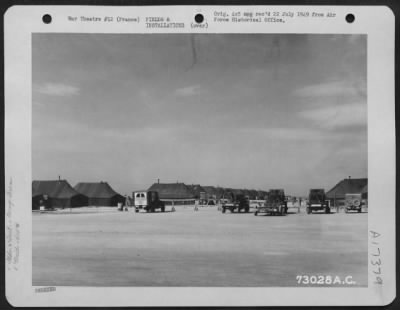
point(245, 192)
point(261, 194)
point(54, 189)
point(196, 189)
point(95, 189)
point(347, 186)
point(215, 191)
point(236, 191)
point(365, 189)
point(253, 192)
point(172, 190)
point(211, 190)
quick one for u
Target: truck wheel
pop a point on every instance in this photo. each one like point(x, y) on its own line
point(163, 209)
point(327, 210)
point(136, 210)
point(308, 210)
point(359, 210)
point(247, 210)
point(223, 210)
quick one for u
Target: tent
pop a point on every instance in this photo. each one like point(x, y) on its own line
point(211, 192)
point(174, 191)
point(197, 189)
point(346, 186)
point(230, 193)
point(61, 194)
point(261, 195)
point(364, 192)
point(99, 194)
point(251, 193)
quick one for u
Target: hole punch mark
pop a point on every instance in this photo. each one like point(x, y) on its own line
point(350, 18)
point(46, 18)
point(199, 18)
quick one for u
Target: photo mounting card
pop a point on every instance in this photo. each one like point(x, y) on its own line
point(199, 156)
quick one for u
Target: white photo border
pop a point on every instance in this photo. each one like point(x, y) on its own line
point(377, 22)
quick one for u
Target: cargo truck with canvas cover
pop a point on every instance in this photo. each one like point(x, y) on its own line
point(317, 201)
point(148, 201)
point(237, 202)
point(275, 203)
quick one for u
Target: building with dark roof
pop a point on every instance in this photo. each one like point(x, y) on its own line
point(197, 190)
point(346, 186)
point(176, 193)
point(99, 193)
point(59, 192)
point(364, 192)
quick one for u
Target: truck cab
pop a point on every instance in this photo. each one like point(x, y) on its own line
point(148, 201)
point(317, 201)
point(237, 202)
point(275, 203)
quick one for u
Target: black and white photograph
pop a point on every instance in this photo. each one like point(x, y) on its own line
point(199, 156)
point(199, 159)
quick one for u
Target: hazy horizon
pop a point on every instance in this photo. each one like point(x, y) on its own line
point(254, 111)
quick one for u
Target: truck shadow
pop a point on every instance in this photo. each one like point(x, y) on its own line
point(235, 213)
point(156, 212)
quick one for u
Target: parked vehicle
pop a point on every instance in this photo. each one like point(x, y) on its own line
point(275, 203)
point(237, 202)
point(148, 201)
point(353, 202)
point(317, 201)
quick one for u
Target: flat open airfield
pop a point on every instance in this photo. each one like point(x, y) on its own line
point(203, 248)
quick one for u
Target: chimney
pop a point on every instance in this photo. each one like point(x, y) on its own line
point(59, 178)
point(349, 176)
point(158, 181)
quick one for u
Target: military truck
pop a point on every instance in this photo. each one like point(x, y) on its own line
point(237, 202)
point(148, 201)
point(317, 201)
point(353, 202)
point(275, 203)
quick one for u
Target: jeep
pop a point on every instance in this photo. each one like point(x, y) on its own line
point(353, 202)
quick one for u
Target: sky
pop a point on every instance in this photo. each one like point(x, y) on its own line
point(254, 111)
